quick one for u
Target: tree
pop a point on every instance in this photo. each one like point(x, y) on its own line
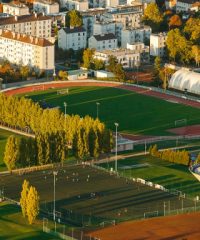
point(156, 71)
point(11, 154)
point(98, 64)
point(63, 75)
point(112, 61)
point(32, 209)
point(119, 72)
point(24, 195)
point(175, 21)
point(192, 29)
point(24, 71)
point(196, 54)
point(74, 19)
point(153, 16)
point(88, 58)
point(178, 46)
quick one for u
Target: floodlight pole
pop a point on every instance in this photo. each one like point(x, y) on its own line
point(97, 103)
point(116, 125)
point(54, 195)
point(65, 105)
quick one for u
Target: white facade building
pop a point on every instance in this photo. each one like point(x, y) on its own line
point(133, 35)
point(97, 3)
point(105, 27)
point(15, 9)
point(128, 58)
point(158, 44)
point(88, 24)
point(36, 25)
point(74, 38)
point(81, 5)
point(22, 49)
point(102, 42)
point(184, 5)
point(47, 7)
point(112, 3)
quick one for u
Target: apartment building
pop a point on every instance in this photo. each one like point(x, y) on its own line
point(103, 41)
point(22, 49)
point(47, 7)
point(127, 57)
point(36, 25)
point(158, 44)
point(184, 5)
point(133, 35)
point(72, 38)
point(15, 9)
point(105, 27)
point(79, 5)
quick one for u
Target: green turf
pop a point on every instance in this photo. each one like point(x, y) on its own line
point(3, 138)
point(113, 195)
point(14, 227)
point(170, 175)
point(134, 112)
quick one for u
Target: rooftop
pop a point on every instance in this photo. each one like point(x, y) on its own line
point(103, 37)
point(45, 2)
point(73, 30)
point(24, 18)
point(42, 42)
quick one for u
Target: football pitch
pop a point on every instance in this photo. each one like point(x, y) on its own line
point(135, 113)
point(88, 196)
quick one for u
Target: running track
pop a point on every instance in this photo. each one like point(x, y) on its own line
point(139, 90)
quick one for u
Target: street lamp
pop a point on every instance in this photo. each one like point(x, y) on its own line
point(97, 103)
point(116, 126)
point(54, 195)
point(65, 105)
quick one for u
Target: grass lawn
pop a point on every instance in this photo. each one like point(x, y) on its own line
point(170, 175)
point(14, 226)
point(3, 138)
point(135, 113)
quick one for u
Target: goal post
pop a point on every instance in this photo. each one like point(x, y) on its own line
point(150, 214)
point(63, 91)
point(180, 122)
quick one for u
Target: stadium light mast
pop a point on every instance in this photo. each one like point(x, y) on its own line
point(65, 106)
point(97, 103)
point(54, 195)
point(116, 126)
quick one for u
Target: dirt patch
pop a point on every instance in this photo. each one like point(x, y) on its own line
point(187, 130)
point(181, 227)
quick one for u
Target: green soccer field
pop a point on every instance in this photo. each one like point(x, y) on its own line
point(135, 113)
point(169, 175)
point(14, 227)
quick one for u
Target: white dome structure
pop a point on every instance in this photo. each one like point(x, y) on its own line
point(185, 80)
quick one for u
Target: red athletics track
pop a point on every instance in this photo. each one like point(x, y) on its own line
point(104, 84)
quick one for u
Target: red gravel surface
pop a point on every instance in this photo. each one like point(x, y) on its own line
point(105, 84)
point(180, 227)
point(188, 130)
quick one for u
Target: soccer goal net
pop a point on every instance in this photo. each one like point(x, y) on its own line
point(151, 214)
point(180, 122)
point(63, 91)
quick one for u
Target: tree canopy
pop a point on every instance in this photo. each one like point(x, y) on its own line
point(74, 19)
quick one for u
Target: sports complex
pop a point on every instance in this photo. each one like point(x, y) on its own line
point(91, 196)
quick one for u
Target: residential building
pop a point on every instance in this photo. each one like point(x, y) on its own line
point(104, 27)
point(170, 4)
point(195, 7)
point(128, 16)
point(97, 3)
point(22, 49)
point(79, 74)
point(132, 35)
point(103, 41)
point(142, 49)
point(79, 5)
point(112, 3)
point(44, 6)
point(37, 25)
point(184, 5)
point(158, 44)
point(15, 9)
point(72, 38)
point(128, 58)
point(88, 24)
